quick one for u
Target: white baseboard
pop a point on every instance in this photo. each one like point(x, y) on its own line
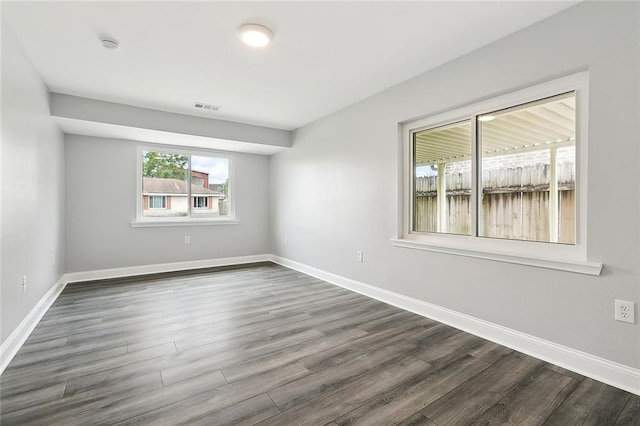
point(14, 342)
point(609, 372)
point(131, 271)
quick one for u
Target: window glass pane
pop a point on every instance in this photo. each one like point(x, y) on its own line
point(164, 186)
point(528, 171)
point(442, 179)
point(209, 186)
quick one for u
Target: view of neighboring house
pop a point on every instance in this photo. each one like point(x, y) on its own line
point(200, 179)
point(163, 197)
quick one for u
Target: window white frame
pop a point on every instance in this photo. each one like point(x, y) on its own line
point(164, 202)
point(142, 221)
point(549, 255)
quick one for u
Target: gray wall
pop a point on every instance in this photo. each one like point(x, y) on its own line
point(336, 191)
point(101, 203)
point(32, 188)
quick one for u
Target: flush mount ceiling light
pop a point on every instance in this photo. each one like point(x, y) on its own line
point(486, 118)
point(255, 35)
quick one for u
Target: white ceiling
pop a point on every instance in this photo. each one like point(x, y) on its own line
point(324, 56)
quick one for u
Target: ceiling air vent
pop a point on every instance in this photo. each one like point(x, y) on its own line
point(206, 107)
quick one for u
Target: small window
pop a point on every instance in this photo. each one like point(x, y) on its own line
point(200, 202)
point(184, 185)
point(157, 202)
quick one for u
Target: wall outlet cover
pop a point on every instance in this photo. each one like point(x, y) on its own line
point(625, 311)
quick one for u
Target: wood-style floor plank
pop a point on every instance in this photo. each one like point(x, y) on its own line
point(248, 412)
point(352, 394)
point(287, 355)
point(463, 404)
point(308, 387)
point(630, 415)
point(262, 344)
point(592, 403)
point(208, 403)
point(400, 403)
point(530, 402)
point(418, 419)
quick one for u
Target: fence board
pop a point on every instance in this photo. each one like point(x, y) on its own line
point(566, 217)
point(426, 214)
point(515, 203)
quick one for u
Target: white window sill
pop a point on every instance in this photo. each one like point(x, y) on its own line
point(152, 223)
point(577, 266)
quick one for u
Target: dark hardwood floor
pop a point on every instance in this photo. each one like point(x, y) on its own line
point(267, 345)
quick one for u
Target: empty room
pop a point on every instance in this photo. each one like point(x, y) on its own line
point(320, 213)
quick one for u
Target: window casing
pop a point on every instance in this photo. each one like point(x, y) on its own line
point(179, 186)
point(461, 146)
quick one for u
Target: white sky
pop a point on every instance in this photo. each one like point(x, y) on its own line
point(218, 168)
point(422, 171)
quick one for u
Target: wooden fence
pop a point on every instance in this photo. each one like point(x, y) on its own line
point(515, 203)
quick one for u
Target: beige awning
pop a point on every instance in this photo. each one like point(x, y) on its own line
point(532, 127)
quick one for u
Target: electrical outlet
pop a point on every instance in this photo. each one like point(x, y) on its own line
point(360, 256)
point(24, 283)
point(286, 241)
point(53, 259)
point(625, 311)
point(187, 239)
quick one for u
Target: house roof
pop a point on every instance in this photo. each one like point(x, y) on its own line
point(174, 186)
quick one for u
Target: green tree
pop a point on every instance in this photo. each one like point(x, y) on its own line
point(164, 165)
point(225, 188)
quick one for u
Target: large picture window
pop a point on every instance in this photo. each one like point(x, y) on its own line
point(505, 176)
point(526, 173)
point(179, 186)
